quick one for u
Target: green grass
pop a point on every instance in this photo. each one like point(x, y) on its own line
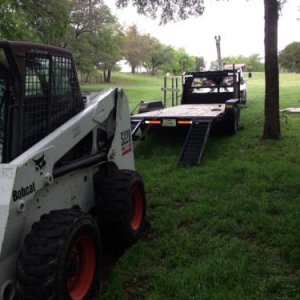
point(228, 229)
point(138, 88)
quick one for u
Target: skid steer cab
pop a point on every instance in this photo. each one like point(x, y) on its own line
point(67, 176)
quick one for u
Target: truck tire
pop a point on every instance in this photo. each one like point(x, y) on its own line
point(122, 208)
point(61, 258)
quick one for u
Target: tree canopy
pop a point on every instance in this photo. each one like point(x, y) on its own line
point(93, 34)
point(159, 55)
point(137, 47)
point(169, 10)
point(289, 57)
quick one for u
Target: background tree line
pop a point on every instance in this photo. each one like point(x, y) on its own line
point(93, 34)
point(289, 57)
point(96, 38)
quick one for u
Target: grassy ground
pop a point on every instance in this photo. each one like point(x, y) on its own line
point(229, 229)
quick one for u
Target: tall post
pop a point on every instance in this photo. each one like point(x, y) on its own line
point(218, 44)
point(176, 90)
point(165, 91)
point(173, 91)
point(235, 85)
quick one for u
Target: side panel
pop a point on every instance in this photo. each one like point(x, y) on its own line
point(121, 152)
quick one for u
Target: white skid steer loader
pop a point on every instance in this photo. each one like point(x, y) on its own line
point(67, 179)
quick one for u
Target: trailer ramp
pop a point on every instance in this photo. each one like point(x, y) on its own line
point(195, 142)
point(135, 125)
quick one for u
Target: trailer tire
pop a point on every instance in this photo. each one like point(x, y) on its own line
point(233, 122)
point(122, 208)
point(245, 98)
point(61, 258)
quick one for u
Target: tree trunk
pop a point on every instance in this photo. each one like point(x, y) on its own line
point(104, 75)
point(86, 80)
point(108, 75)
point(272, 120)
point(153, 70)
point(133, 69)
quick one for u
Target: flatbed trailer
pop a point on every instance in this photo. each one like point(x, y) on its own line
point(208, 98)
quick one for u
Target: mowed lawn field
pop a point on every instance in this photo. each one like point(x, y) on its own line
point(227, 229)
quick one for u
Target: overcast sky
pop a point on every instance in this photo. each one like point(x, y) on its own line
point(240, 24)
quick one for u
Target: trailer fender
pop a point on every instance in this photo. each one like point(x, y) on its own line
point(150, 106)
point(232, 116)
point(231, 109)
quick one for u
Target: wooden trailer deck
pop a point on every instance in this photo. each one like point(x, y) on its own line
point(185, 111)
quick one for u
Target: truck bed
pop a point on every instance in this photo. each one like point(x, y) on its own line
point(189, 111)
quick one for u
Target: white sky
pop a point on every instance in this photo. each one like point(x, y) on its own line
point(239, 22)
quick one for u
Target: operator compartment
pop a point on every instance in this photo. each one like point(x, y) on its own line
point(39, 92)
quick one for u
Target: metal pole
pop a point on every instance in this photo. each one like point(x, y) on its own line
point(176, 90)
point(234, 81)
point(218, 43)
point(165, 91)
point(172, 91)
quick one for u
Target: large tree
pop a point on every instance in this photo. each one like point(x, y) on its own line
point(88, 15)
point(108, 44)
point(272, 119)
point(170, 10)
point(183, 9)
point(137, 47)
point(25, 20)
point(183, 62)
point(289, 57)
point(12, 21)
point(200, 63)
point(159, 56)
point(89, 22)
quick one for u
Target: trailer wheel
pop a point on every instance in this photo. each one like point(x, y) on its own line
point(61, 258)
point(233, 122)
point(122, 208)
point(244, 98)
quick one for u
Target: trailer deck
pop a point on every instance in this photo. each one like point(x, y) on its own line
point(186, 111)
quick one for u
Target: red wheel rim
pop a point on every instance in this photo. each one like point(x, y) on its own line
point(82, 266)
point(137, 209)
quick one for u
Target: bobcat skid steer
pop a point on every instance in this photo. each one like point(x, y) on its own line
point(67, 179)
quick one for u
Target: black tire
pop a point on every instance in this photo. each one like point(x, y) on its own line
point(233, 122)
point(122, 208)
point(245, 98)
point(61, 258)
